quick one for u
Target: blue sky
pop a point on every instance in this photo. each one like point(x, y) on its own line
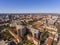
point(29, 6)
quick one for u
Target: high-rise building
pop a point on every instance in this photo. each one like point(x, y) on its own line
point(37, 34)
point(11, 17)
point(22, 31)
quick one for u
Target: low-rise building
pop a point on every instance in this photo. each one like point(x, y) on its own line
point(36, 41)
point(49, 40)
point(56, 37)
point(33, 40)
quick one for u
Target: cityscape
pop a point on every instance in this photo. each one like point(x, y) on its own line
point(30, 29)
point(29, 22)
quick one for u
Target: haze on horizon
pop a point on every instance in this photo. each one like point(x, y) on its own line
point(29, 6)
